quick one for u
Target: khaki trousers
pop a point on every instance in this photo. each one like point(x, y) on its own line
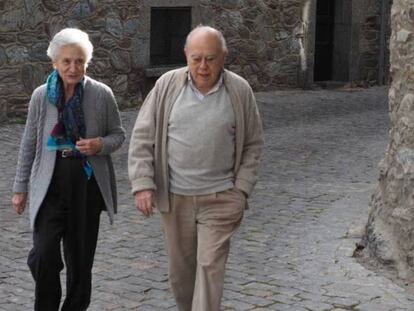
point(197, 233)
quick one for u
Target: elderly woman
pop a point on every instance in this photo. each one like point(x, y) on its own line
point(72, 127)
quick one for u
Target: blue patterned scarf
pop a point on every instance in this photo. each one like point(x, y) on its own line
point(71, 122)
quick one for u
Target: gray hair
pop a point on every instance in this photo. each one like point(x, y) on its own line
point(211, 30)
point(70, 36)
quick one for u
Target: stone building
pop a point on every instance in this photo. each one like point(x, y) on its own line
point(390, 228)
point(272, 43)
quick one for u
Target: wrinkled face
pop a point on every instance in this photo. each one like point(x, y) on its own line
point(71, 65)
point(205, 59)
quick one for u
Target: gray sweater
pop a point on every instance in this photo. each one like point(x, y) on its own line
point(201, 135)
point(35, 164)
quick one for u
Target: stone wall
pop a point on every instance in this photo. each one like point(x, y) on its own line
point(373, 38)
point(27, 26)
point(390, 228)
point(264, 38)
point(270, 43)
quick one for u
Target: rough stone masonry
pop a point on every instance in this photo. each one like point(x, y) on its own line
point(271, 42)
point(390, 228)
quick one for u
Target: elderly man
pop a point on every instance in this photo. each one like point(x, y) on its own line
point(194, 154)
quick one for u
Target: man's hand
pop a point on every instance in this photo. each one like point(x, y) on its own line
point(90, 146)
point(144, 201)
point(19, 202)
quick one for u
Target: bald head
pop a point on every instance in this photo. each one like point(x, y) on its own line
point(207, 31)
point(205, 51)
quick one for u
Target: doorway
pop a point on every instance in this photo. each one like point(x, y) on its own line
point(324, 40)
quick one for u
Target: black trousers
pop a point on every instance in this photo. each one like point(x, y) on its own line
point(69, 215)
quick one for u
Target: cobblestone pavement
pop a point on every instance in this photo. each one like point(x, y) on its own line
point(293, 251)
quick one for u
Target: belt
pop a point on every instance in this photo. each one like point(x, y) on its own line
point(65, 153)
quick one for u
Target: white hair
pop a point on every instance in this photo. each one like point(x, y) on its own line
point(70, 36)
point(211, 30)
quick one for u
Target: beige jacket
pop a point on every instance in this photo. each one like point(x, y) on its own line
point(148, 158)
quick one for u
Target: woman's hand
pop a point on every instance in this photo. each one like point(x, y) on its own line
point(19, 202)
point(90, 146)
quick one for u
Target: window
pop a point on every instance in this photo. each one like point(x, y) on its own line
point(169, 29)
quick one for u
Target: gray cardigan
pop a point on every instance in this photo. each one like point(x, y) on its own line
point(36, 164)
